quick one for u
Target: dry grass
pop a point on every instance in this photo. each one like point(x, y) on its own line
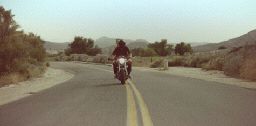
point(144, 61)
point(232, 64)
point(11, 78)
point(206, 60)
point(177, 61)
point(215, 63)
point(248, 69)
point(15, 77)
point(157, 63)
point(100, 59)
point(240, 62)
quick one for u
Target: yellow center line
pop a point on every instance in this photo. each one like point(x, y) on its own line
point(132, 119)
point(146, 119)
point(131, 108)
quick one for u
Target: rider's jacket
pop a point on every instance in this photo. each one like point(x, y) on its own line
point(121, 51)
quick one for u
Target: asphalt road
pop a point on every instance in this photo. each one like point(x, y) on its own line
point(94, 98)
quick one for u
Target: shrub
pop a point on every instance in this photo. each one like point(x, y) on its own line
point(22, 75)
point(100, 59)
point(18, 51)
point(47, 64)
point(177, 61)
point(214, 64)
point(11, 78)
point(232, 65)
point(68, 51)
point(248, 69)
point(156, 64)
point(222, 47)
point(144, 52)
point(240, 61)
point(197, 60)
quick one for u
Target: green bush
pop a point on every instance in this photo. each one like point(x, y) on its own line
point(182, 48)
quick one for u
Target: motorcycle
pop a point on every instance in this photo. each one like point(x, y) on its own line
point(122, 73)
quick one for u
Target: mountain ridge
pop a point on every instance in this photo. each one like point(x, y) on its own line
point(245, 39)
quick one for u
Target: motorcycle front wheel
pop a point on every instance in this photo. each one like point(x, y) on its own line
point(122, 77)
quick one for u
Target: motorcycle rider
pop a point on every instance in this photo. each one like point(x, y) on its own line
point(121, 50)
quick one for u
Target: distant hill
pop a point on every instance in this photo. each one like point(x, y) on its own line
point(103, 42)
point(194, 44)
point(107, 44)
point(139, 43)
point(54, 48)
point(246, 39)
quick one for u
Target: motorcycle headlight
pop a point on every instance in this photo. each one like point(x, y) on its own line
point(121, 60)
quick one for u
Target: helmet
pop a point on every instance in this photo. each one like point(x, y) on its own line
point(121, 43)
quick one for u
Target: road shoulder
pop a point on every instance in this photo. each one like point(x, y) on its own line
point(50, 78)
point(211, 75)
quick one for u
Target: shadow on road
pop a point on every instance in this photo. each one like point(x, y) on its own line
point(107, 85)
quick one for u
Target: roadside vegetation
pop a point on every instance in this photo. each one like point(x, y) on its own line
point(239, 62)
point(154, 55)
point(80, 49)
point(83, 49)
point(22, 55)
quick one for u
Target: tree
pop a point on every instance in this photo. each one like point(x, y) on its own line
point(188, 48)
point(182, 48)
point(81, 45)
point(17, 49)
point(94, 51)
point(161, 48)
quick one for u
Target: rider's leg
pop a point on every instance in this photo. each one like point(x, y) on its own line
point(114, 67)
point(129, 68)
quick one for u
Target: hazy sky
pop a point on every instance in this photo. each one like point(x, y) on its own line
point(176, 20)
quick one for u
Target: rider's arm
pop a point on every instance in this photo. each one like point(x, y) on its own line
point(129, 54)
point(114, 53)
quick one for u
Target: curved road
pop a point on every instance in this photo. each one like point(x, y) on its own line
point(94, 98)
